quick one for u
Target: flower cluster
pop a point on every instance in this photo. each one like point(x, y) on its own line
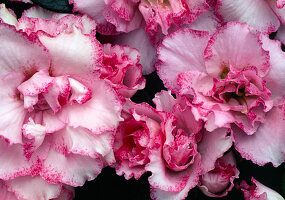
point(67, 80)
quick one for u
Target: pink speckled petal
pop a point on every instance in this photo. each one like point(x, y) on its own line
point(73, 54)
point(6, 16)
point(82, 141)
point(194, 170)
point(267, 143)
point(256, 13)
point(71, 169)
point(219, 143)
point(5, 194)
point(275, 79)
point(138, 39)
point(181, 51)
point(100, 114)
point(247, 50)
point(24, 188)
point(207, 21)
point(18, 53)
point(12, 112)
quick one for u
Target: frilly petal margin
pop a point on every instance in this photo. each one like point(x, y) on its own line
point(138, 39)
point(257, 14)
point(236, 45)
point(219, 143)
point(20, 53)
point(6, 16)
point(12, 112)
point(179, 52)
point(71, 169)
point(24, 188)
point(220, 181)
point(275, 79)
point(100, 114)
point(194, 170)
point(267, 143)
point(82, 55)
point(258, 191)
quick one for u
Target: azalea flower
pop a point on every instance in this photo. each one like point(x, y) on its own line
point(134, 137)
point(182, 152)
point(233, 78)
point(122, 69)
point(55, 109)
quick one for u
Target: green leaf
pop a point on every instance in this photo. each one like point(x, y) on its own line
point(61, 6)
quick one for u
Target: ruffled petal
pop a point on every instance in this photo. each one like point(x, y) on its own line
point(52, 122)
point(278, 10)
point(205, 22)
point(121, 24)
point(12, 112)
point(83, 142)
point(219, 143)
point(257, 14)
point(67, 193)
point(24, 188)
point(7, 17)
point(159, 194)
point(94, 9)
point(138, 39)
point(35, 133)
point(20, 54)
point(275, 79)
point(71, 169)
point(267, 143)
point(218, 182)
point(281, 34)
point(13, 162)
point(258, 191)
point(169, 181)
point(181, 51)
point(234, 45)
point(5, 194)
point(100, 114)
point(38, 12)
point(164, 101)
point(73, 54)
point(79, 93)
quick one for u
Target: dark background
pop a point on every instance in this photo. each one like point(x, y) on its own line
point(108, 184)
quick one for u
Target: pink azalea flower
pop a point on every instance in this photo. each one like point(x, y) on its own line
point(264, 16)
point(122, 69)
point(219, 181)
point(183, 153)
point(126, 15)
point(233, 78)
point(55, 110)
point(134, 137)
point(258, 191)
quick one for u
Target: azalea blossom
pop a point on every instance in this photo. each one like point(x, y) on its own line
point(134, 137)
point(122, 69)
point(55, 109)
point(183, 152)
point(232, 78)
point(264, 15)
